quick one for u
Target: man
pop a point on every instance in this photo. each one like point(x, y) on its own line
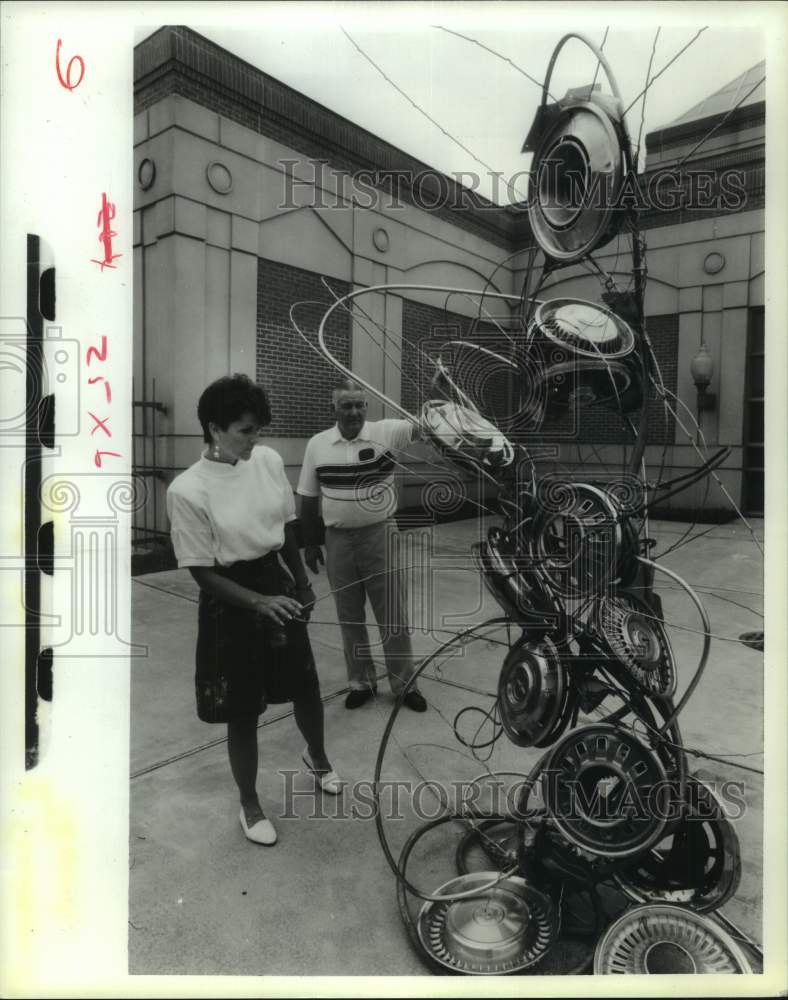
point(350, 467)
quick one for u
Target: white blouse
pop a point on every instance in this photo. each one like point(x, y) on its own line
point(222, 513)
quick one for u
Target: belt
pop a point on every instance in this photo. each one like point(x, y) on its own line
point(246, 569)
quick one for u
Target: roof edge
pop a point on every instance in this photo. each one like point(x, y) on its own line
point(176, 46)
point(671, 134)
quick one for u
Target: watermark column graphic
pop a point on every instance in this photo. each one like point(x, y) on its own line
point(37, 373)
point(86, 529)
point(87, 508)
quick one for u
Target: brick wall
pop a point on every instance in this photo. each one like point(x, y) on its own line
point(299, 380)
point(597, 425)
point(426, 328)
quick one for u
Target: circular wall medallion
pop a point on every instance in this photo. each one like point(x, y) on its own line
point(219, 177)
point(380, 239)
point(713, 262)
point(146, 174)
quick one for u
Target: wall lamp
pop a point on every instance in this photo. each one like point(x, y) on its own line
point(702, 369)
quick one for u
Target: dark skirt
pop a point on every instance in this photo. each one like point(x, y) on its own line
point(239, 669)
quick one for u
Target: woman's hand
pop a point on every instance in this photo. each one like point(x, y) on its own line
point(306, 596)
point(277, 610)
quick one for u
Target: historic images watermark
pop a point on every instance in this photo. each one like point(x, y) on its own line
point(606, 801)
point(313, 183)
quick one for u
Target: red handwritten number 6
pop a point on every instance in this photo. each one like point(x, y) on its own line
point(67, 82)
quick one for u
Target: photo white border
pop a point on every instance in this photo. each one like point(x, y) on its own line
point(64, 850)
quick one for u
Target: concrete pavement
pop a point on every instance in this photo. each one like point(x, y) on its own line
point(203, 900)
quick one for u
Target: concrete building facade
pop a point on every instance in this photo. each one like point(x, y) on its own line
point(250, 197)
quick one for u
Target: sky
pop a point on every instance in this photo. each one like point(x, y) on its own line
point(482, 102)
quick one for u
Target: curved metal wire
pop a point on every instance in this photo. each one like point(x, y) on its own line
point(706, 639)
point(601, 58)
point(461, 637)
point(649, 371)
point(381, 396)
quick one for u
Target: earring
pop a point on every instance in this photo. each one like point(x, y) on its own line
point(215, 449)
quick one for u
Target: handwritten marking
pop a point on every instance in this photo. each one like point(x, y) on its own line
point(99, 423)
point(104, 221)
point(105, 216)
point(100, 353)
point(97, 456)
point(66, 83)
point(107, 388)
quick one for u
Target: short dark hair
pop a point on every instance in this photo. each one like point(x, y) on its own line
point(227, 399)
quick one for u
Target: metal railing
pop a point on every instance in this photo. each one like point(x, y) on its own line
point(149, 519)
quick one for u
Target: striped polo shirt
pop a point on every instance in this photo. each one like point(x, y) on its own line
point(355, 478)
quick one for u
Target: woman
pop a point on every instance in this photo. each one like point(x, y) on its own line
point(231, 516)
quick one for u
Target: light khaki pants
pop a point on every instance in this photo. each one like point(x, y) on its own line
point(361, 563)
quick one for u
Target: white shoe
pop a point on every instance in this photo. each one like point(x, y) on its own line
point(329, 781)
point(261, 832)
